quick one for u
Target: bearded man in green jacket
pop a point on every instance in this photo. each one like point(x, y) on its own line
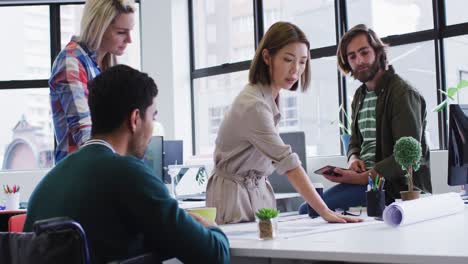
point(384, 108)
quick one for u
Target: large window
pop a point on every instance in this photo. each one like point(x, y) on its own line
point(319, 109)
point(26, 136)
point(391, 17)
point(407, 26)
point(416, 64)
point(455, 11)
point(289, 111)
point(27, 132)
point(223, 32)
point(456, 66)
point(315, 18)
point(213, 96)
point(25, 43)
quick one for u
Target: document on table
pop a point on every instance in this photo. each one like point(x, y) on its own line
point(292, 226)
point(422, 209)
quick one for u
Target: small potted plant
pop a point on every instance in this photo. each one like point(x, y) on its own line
point(267, 223)
point(407, 153)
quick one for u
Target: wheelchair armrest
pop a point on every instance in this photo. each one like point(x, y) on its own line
point(56, 224)
point(60, 224)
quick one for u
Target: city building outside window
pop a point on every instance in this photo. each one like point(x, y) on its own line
point(27, 133)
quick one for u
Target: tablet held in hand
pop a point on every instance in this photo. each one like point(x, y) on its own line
point(328, 170)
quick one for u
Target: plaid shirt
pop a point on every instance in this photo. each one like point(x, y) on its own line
point(74, 66)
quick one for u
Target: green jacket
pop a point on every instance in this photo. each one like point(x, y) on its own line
point(400, 112)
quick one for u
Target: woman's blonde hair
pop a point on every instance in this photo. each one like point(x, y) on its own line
point(278, 36)
point(98, 15)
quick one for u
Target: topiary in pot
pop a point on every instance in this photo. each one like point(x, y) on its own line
point(407, 153)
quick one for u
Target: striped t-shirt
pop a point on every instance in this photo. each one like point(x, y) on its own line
point(366, 124)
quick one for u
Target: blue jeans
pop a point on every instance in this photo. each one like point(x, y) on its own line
point(343, 195)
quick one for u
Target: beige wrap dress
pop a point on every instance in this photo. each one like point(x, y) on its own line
point(248, 149)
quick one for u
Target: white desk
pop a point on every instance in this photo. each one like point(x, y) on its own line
point(191, 204)
point(281, 198)
point(443, 240)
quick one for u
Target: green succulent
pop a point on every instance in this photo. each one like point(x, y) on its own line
point(407, 153)
point(267, 213)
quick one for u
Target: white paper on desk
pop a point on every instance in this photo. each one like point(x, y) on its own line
point(422, 209)
point(290, 227)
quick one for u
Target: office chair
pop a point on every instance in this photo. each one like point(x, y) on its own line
point(54, 240)
point(16, 223)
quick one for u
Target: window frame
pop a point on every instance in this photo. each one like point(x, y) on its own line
point(55, 39)
point(437, 34)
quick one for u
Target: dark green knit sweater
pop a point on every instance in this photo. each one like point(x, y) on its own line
point(124, 209)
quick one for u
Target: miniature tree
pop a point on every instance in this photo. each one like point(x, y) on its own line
point(407, 153)
point(266, 224)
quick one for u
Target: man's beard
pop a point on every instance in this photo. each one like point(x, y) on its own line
point(369, 74)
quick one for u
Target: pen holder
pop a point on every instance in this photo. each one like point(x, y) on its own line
point(12, 201)
point(375, 203)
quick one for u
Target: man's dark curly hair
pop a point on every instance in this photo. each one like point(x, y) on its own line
point(115, 93)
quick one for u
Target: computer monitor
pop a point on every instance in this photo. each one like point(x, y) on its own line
point(280, 183)
point(153, 157)
point(173, 155)
point(458, 146)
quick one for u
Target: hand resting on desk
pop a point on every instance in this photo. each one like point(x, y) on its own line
point(333, 217)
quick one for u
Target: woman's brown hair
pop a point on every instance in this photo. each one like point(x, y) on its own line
point(278, 36)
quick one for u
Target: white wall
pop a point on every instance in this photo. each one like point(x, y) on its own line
point(166, 57)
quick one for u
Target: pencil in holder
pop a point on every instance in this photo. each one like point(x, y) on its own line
point(375, 202)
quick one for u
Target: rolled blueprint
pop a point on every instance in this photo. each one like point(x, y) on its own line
point(422, 209)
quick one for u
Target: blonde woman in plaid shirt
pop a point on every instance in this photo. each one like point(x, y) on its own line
point(105, 34)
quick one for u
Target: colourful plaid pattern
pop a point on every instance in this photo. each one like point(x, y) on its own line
point(74, 66)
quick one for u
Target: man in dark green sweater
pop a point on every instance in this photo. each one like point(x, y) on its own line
point(384, 109)
point(123, 207)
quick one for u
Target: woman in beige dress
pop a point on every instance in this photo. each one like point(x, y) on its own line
point(248, 145)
